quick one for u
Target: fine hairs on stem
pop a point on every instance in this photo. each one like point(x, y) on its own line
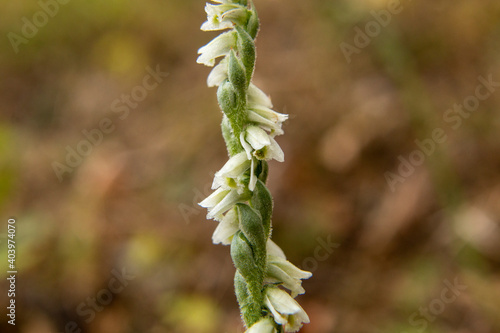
point(241, 203)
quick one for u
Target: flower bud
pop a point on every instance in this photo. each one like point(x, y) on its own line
point(227, 98)
point(262, 201)
point(237, 74)
point(252, 228)
point(246, 48)
point(233, 106)
point(253, 23)
point(242, 255)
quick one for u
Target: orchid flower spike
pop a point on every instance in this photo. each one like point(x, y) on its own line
point(241, 203)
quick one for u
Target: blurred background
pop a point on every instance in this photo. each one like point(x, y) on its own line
point(389, 193)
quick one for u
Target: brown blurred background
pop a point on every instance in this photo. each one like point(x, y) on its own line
point(401, 235)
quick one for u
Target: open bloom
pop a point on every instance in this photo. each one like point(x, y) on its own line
point(285, 310)
point(228, 175)
point(218, 47)
point(258, 143)
point(220, 17)
point(264, 325)
point(280, 270)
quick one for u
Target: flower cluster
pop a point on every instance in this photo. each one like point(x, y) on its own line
point(241, 202)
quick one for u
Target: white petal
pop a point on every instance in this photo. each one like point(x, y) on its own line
point(226, 228)
point(277, 275)
point(218, 74)
point(220, 46)
point(286, 310)
point(278, 318)
point(289, 268)
point(281, 270)
point(214, 26)
point(253, 178)
point(246, 146)
point(255, 117)
point(295, 321)
point(270, 114)
point(282, 302)
point(275, 151)
point(262, 326)
point(224, 205)
point(235, 166)
point(274, 250)
point(258, 97)
point(213, 199)
point(257, 137)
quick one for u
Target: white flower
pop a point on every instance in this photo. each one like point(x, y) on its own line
point(234, 167)
point(221, 17)
point(218, 47)
point(227, 228)
point(264, 325)
point(219, 202)
point(286, 311)
point(280, 270)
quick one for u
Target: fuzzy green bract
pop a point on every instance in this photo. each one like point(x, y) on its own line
point(241, 202)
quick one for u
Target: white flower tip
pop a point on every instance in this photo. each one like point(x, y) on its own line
point(264, 325)
point(204, 203)
point(274, 250)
